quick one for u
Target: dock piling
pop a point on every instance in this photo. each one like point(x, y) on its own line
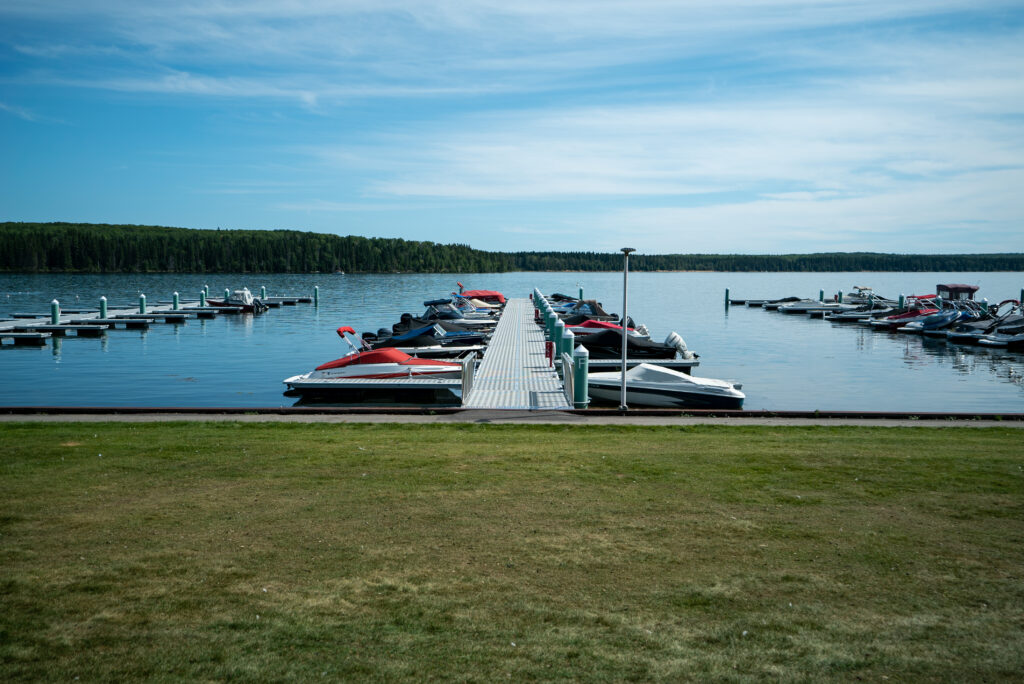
point(142, 303)
point(103, 307)
point(54, 312)
point(202, 298)
point(581, 373)
point(316, 295)
point(175, 306)
point(903, 300)
point(726, 298)
point(821, 295)
point(263, 292)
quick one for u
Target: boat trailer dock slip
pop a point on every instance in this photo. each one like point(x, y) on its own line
point(515, 373)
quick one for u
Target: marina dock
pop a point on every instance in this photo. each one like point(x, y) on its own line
point(514, 372)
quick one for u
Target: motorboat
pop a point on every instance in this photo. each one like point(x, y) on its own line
point(607, 344)
point(488, 296)
point(240, 299)
point(916, 310)
point(937, 321)
point(444, 310)
point(861, 313)
point(409, 322)
point(367, 364)
point(650, 385)
point(1006, 336)
point(589, 327)
point(807, 306)
point(971, 332)
point(774, 304)
point(430, 341)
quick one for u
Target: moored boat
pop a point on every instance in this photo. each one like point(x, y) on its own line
point(649, 385)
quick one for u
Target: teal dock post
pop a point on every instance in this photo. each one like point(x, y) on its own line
point(871, 300)
point(103, 307)
point(202, 298)
point(54, 312)
point(839, 296)
point(984, 304)
point(549, 324)
point(821, 295)
point(206, 289)
point(263, 292)
point(227, 295)
point(556, 337)
point(581, 373)
point(902, 301)
point(316, 295)
point(568, 342)
point(177, 302)
point(726, 298)
point(581, 293)
point(142, 303)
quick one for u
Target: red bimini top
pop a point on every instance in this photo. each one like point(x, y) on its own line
point(386, 355)
point(485, 295)
point(602, 325)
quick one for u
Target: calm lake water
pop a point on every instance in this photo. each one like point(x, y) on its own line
point(784, 362)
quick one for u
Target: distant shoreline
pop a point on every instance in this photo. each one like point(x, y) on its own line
point(27, 248)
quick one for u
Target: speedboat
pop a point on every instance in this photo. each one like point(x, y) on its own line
point(589, 327)
point(240, 298)
point(649, 385)
point(810, 306)
point(362, 363)
point(1007, 336)
point(971, 332)
point(607, 344)
point(859, 314)
point(444, 310)
point(937, 321)
point(488, 296)
point(429, 341)
point(917, 310)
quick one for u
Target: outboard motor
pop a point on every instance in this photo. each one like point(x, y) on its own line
point(674, 340)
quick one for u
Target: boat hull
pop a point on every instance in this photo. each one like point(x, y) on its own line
point(658, 397)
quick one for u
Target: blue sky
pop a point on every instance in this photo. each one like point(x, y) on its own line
point(736, 126)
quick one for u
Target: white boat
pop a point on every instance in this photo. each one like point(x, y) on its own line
point(648, 385)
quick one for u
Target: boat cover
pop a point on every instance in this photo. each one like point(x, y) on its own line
point(486, 295)
point(607, 344)
point(386, 355)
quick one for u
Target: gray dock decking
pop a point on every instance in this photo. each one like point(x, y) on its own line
point(514, 373)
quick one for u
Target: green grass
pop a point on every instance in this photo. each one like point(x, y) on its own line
point(483, 552)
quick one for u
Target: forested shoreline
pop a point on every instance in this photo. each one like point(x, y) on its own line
point(104, 248)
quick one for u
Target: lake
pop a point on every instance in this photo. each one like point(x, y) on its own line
point(784, 362)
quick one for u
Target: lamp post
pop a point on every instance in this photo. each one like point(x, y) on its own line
point(625, 280)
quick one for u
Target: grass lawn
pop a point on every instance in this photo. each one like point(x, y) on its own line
point(272, 551)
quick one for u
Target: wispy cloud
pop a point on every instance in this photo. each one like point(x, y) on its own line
point(19, 112)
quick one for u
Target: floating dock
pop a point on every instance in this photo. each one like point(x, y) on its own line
point(515, 373)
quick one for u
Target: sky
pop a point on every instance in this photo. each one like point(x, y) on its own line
point(733, 126)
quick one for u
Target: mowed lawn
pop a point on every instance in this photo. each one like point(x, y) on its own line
point(269, 551)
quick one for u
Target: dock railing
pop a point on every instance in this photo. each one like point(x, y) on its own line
point(468, 373)
point(568, 376)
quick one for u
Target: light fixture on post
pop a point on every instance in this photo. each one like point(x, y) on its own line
point(625, 288)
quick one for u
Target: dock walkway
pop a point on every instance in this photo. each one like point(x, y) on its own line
point(514, 373)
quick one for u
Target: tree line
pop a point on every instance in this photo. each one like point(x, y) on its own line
point(102, 248)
